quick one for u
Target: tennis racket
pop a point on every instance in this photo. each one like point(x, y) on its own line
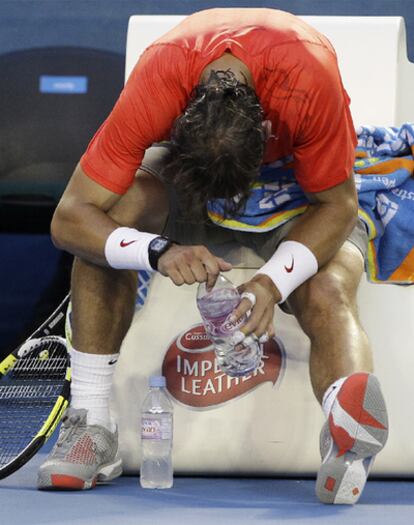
point(34, 392)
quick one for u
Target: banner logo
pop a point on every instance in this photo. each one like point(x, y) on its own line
point(195, 379)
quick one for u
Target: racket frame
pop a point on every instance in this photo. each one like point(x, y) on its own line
point(44, 331)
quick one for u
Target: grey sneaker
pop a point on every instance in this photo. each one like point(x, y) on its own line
point(356, 430)
point(83, 455)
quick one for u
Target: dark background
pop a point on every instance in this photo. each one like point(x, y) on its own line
point(103, 23)
point(29, 279)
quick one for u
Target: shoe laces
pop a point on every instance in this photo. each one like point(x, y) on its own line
point(73, 426)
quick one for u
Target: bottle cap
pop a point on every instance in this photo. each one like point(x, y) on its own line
point(157, 382)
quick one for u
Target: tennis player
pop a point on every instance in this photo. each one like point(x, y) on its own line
point(230, 91)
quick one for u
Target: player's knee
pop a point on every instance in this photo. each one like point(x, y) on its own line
point(326, 297)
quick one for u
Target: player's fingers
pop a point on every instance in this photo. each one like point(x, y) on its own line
point(245, 305)
point(250, 296)
point(224, 265)
point(239, 336)
point(255, 320)
point(187, 274)
point(175, 276)
point(263, 324)
point(199, 271)
point(264, 338)
point(212, 269)
point(211, 280)
point(211, 265)
point(271, 329)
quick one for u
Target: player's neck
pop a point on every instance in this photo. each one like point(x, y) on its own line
point(228, 62)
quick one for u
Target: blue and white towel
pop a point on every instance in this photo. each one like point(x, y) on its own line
point(384, 169)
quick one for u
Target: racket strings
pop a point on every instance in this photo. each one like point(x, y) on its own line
point(47, 358)
point(28, 393)
point(25, 392)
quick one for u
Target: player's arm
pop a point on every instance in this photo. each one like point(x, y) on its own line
point(80, 224)
point(143, 114)
point(317, 236)
point(328, 221)
point(324, 151)
point(311, 243)
point(322, 230)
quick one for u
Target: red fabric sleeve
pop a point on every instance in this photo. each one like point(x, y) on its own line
point(157, 92)
point(324, 150)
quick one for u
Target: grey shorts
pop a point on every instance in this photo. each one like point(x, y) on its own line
point(213, 236)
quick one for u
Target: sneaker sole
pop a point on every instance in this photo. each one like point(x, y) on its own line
point(60, 481)
point(345, 468)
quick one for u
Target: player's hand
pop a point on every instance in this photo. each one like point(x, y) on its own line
point(260, 322)
point(190, 264)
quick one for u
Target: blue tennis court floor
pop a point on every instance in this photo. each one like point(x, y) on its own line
point(199, 501)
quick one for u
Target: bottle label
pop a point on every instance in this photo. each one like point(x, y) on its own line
point(222, 326)
point(156, 427)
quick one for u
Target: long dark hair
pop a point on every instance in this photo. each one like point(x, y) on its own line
point(217, 145)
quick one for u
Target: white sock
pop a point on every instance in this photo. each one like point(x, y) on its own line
point(91, 385)
point(330, 395)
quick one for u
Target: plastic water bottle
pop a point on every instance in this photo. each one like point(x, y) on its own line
point(216, 306)
point(156, 437)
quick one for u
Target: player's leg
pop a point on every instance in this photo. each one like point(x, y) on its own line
point(341, 375)
point(103, 302)
point(103, 299)
point(327, 311)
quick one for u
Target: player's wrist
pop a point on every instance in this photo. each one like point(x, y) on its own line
point(291, 265)
point(128, 249)
point(266, 282)
point(156, 249)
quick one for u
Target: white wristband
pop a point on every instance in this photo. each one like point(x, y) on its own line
point(291, 265)
point(127, 249)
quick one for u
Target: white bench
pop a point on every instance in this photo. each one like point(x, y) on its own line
point(274, 428)
point(372, 53)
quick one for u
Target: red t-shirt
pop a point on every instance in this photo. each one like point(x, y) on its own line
point(296, 78)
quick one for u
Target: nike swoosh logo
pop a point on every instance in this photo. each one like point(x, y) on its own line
point(112, 362)
point(123, 243)
point(290, 269)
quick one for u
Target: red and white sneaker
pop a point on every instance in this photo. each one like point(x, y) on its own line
point(356, 430)
point(82, 456)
